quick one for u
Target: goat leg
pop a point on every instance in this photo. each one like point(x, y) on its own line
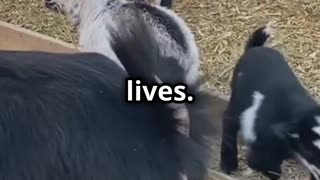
point(229, 151)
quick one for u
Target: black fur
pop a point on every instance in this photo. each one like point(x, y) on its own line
point(64, 117)
point(167, 3)
point(287, 109)
point(258, 38)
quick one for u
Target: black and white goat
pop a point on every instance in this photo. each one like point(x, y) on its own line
point(277, 117)
point(95, 19)
point(64, 116)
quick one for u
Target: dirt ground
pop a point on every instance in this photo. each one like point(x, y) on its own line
point(221, 28)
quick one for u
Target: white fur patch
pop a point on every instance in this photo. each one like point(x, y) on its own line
point(317, 118)
point(268, 30)
point(183, 176)
point(294, 135)
point(248, 117)
point(316, 129)
point(313, 169)
point(317, 143)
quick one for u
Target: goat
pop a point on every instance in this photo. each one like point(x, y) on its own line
point(95, 18)
point(64, 116)
point(277, 117)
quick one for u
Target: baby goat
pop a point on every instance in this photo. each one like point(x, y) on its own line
point(277, 117)
point(95, 18)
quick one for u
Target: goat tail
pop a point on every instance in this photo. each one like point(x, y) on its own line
point(259, 37)
point(165, 3)
point(138, 51)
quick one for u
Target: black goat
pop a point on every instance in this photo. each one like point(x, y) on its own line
point(65, 117)
point(277, 117)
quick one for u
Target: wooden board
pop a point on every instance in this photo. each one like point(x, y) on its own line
point(16, 38)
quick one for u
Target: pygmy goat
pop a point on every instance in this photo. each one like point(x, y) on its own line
point(277, 117)
point(95, 18)
point(64, 116)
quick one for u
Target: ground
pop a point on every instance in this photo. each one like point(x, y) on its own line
point(221, 28)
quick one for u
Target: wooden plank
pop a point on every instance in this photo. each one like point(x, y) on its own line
point(13, 37)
